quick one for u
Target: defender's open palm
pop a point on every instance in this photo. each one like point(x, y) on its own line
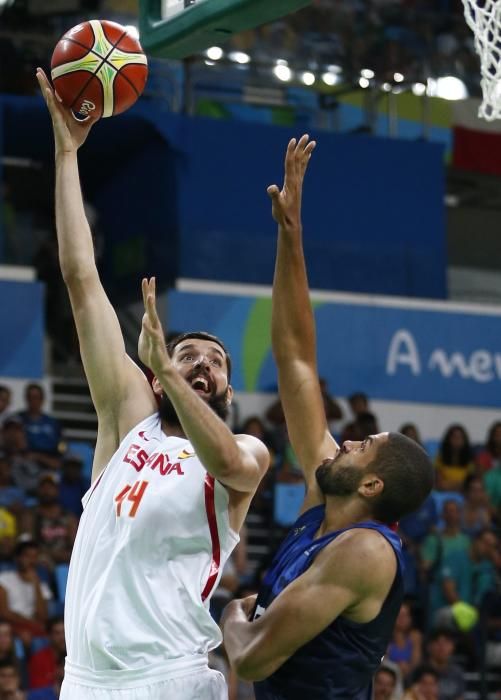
point(152, 350)
point(287, 202)
point(69, 132)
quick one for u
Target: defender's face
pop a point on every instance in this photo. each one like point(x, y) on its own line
point(203, 364)
point(359, 453)
point(342, 475)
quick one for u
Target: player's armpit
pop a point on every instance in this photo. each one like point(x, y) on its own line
point(337, 583)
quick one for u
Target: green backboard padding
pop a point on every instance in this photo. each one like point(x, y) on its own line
point(207, 23)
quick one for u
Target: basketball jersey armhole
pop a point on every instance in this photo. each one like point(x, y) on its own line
point(95, 483)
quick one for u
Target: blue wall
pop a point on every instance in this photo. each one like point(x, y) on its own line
point(179, 196)
point(22, 324)
point(435, 354)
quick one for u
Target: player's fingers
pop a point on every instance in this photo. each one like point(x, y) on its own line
point(289, 159)
point(301, 144)
point(144, 290)
point(273, 192)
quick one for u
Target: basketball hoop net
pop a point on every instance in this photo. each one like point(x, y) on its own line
point(484, 19)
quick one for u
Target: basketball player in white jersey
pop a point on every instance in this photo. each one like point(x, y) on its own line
point(170, 489)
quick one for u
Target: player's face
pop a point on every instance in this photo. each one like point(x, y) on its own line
point(342, 475)
point(203, 364)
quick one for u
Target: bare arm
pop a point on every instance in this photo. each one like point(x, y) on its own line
point(238, 462)
point(351, 576)
point(119, 390)
point(293, 326)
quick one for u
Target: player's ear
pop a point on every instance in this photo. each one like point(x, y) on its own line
point(157, 387)
point(229, 394)
point(372, 485)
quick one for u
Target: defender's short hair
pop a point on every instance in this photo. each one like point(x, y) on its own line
point(408, 476)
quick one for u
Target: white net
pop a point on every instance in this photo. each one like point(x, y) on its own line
point(484, 19)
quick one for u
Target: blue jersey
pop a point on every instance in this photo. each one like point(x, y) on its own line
point(340, 662)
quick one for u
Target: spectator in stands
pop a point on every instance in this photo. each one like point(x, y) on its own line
point(385, 683)
point(454, 460)
point(53, 527)
point(465, 576)
point(72, 486)
point(437, 544)
point(490, 456)
point(43, 664)
point(492, 484)
point(23, 597)
point(5, 399)
point(425, 685)
point(253, 425)
point(42, 431)
point(25, 470)
point(410, 430)
point(333, 412)
point(451, 681)
point(364, 423)
point(8, 532)
point(11, 496)
point(10, 682)
point(7, 646)
point(405, 648)
point(476, 511)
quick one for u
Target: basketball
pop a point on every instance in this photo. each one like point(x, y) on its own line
point(98, 68)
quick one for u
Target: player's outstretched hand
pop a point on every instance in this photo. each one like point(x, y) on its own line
point(151, 346)
point(69, 132)
point(286, 203)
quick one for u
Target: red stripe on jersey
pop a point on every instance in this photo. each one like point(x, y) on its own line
point(210, 508)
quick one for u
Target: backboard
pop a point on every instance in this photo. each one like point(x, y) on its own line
point(179, 28)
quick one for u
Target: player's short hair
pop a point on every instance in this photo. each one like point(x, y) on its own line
point(408, 476)
point(200, 335)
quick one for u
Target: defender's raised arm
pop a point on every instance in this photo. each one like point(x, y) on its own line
point(293, 325)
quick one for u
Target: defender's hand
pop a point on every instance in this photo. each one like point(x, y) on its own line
point(151, 346)
point(286, 207)
point(69, 132)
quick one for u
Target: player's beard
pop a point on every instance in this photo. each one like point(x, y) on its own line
point(338, 481)
point(218, 403)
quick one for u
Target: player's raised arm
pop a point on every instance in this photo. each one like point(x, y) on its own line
point(112, 376)
point(293, 325)
point(237, 461)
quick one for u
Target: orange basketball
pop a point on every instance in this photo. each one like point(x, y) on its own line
point(98, 68)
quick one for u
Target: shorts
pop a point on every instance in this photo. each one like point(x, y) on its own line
point(199, 684)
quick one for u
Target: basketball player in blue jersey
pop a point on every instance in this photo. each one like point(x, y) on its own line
point(170, 487)
point(326, 609)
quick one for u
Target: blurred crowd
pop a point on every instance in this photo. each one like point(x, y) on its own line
point(449, 624)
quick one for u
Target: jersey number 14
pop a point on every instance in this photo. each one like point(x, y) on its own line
point(133, 494)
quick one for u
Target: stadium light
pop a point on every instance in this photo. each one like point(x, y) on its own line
point(215, 53)
point(330, 78)
point(367, 73)
point(450, 88)
point(308, 78)
point(239, 57)
point(418, 89)
point(398, 77)
point(283, 72)
point(386, 87)
point(364, 83)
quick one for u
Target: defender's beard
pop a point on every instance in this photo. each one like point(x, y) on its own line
point(218, 403)
point(337, 481)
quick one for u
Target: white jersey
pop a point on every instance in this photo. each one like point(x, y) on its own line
point(151, 545)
